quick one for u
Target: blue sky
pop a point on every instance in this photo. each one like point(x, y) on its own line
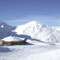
point(17, 12)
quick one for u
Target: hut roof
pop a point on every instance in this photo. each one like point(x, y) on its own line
point(13, 38)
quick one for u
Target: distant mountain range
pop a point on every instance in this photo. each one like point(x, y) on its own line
point(5, 29)
point(33, 29)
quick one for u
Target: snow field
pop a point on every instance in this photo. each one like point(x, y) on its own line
point(29, 52)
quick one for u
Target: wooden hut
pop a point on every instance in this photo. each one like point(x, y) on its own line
point(13, 40)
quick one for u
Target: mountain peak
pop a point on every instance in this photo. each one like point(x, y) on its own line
point(38, 31)
point(33, 22)
point(36, 24)
point(5, 29)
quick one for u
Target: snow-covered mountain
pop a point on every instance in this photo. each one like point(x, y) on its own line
point(41, 35)
point(5, 29)
point(33, 29)
point(56, 28)
point(39, 31)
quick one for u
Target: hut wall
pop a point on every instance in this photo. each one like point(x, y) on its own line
point(15, 42)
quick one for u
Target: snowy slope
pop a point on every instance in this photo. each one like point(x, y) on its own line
point(39, 31)
point(56, 28)
point(5, 30)
point(30, 52)
point(52, 55)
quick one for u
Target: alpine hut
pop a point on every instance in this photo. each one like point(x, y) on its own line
point(13, 40)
